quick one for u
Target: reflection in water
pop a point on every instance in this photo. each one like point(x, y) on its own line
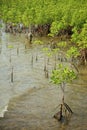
point(31, 99)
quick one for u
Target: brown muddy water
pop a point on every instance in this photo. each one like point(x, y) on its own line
point(30, 100)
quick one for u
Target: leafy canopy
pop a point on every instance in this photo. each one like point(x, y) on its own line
point(63, 74)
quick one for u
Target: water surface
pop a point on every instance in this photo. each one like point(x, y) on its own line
point(31, 100)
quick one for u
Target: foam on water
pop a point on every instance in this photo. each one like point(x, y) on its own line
point(3, 110)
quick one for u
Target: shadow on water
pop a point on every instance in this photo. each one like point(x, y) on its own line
point(31, 99)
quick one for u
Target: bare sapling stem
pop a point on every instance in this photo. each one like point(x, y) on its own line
point(17, 51)
point(36, 57)
point(12, 75)
point(32, 60)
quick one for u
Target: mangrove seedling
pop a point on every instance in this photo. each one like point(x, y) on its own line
point(12, 75)
point(61, 76)
point(37, 43)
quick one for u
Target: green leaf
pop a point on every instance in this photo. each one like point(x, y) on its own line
point(10, 46)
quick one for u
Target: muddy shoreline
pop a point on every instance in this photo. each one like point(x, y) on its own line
point(34, 111)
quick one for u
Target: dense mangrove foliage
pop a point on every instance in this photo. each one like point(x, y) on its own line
point(52, 18)
point(60, 14)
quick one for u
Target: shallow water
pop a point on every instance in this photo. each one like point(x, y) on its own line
point(31, 100)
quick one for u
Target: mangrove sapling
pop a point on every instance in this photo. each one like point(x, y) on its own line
point(46, 74)
point(54, 53)
point(47, 53)
point(37, 43)
point(17, 51)
point(10, 58)
point(25, 47)
point(0, 49)
point(45, 68)
point(36, 58)
point(62, 45)
point(10, 47)
point(32, 59)
point(72, 54)
point(12, 75)
point(61, 76)
point(80, 39)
